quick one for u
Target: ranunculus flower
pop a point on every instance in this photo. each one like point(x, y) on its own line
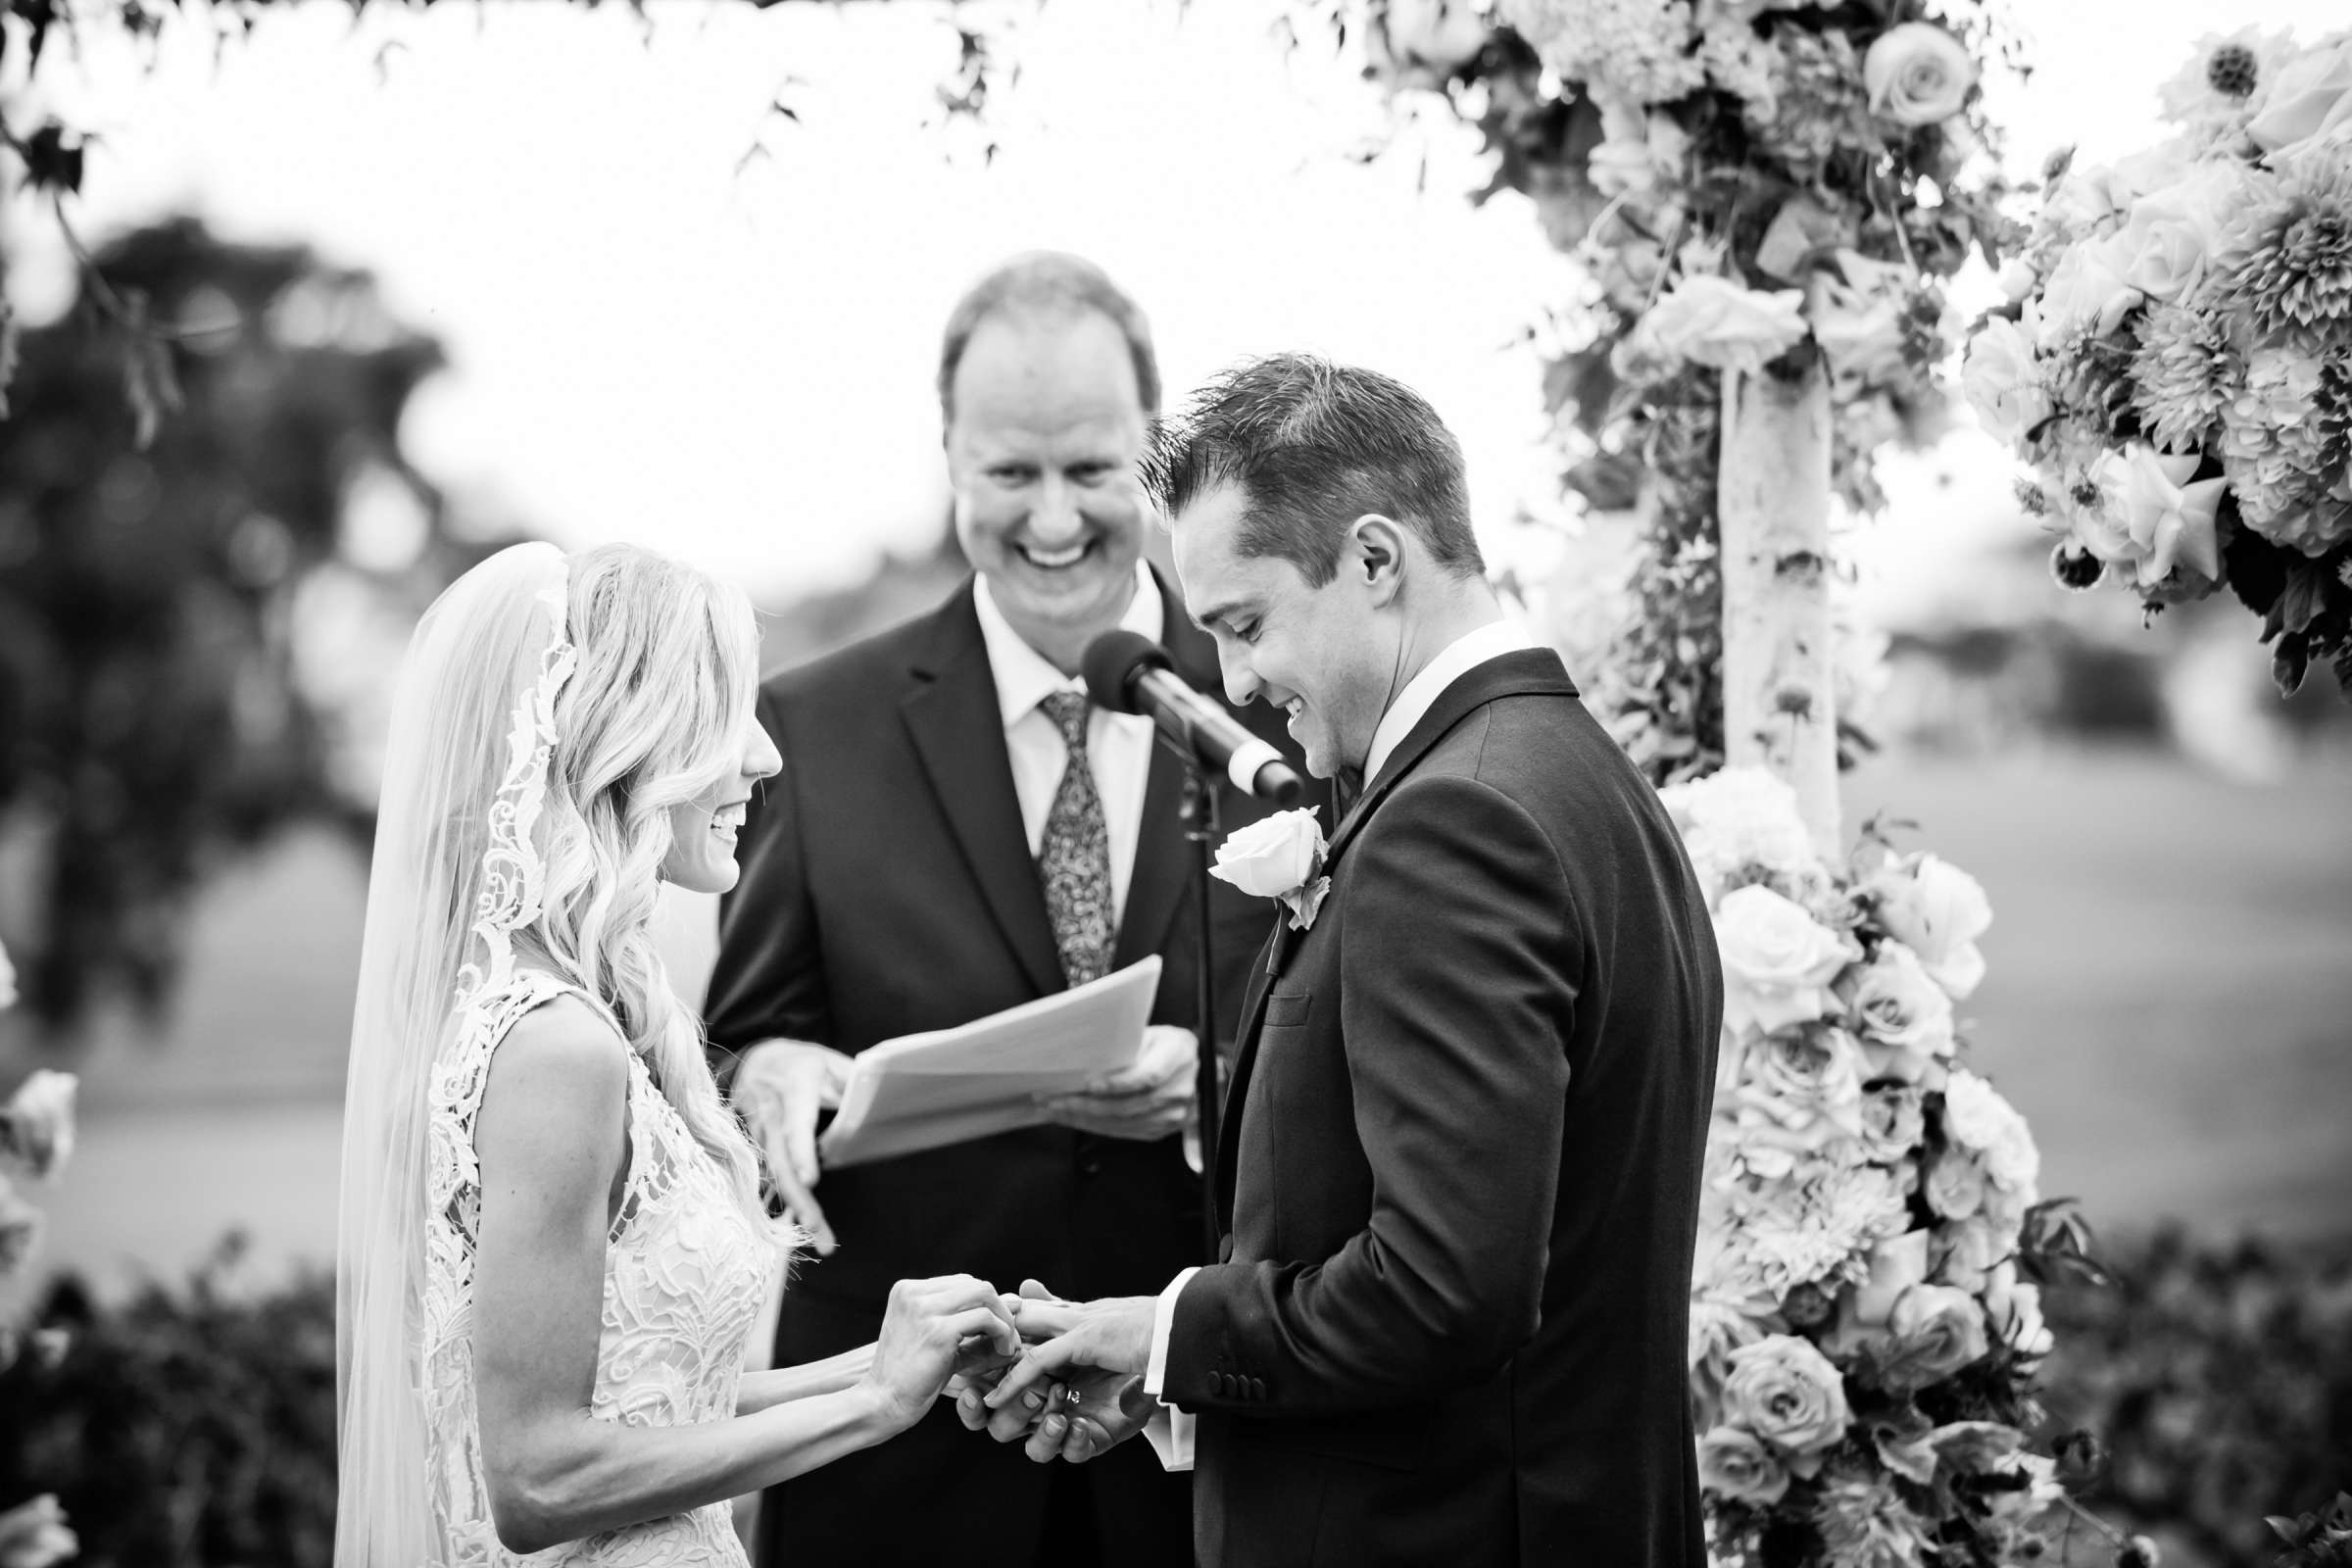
point(1976, 1117)
point(2165, 516)
point(1737, 1465)
point(1714, 322)
point(2002, 379)
point(1937, 911)
point(1777, 960)
point(1916, 75)
point(1903, 1018)
point(2311, 97)
point(1785, 1391)
point(1937, 1330)
point(1272, 855)
point(36, 1126)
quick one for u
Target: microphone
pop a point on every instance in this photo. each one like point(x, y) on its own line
point(1128, 673)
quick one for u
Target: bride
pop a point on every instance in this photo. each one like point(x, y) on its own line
point(553, 1237)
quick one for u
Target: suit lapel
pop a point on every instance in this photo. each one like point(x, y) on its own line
point(953, 718)
point(1229, 1110)
point(1532, 672)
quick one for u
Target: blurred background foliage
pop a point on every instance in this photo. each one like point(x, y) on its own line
point(153, 712)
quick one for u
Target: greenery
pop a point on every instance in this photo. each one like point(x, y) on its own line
point(151, 557)
point(2217, 1381)
point(185, 1427)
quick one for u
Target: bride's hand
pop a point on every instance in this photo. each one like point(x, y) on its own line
point(935, 1330)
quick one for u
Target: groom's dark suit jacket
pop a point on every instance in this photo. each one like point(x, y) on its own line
point(1462, 1186)
point(887, 889)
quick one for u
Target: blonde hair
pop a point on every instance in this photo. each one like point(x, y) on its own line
point(656, 714)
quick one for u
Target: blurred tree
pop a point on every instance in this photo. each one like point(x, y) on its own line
point(149, 715)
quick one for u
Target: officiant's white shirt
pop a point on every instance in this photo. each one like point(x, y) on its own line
point(1170, 1430)
point(1119, 745)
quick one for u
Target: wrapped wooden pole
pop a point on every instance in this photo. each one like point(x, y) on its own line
point(1773, 506)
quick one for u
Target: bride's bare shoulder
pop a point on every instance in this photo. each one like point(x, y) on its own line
point(563, 1055)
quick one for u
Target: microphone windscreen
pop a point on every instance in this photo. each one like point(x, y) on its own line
point(1110, 665)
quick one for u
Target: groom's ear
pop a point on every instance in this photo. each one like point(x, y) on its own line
point(1375, 554)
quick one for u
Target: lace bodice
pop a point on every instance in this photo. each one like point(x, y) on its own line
point(684, 1276)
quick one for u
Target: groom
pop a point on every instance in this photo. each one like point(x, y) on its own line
point(1459, 1174)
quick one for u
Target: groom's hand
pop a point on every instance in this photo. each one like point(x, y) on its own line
point(1111, 1336)
point(1087, 1411)
point(1149, 1099)
point(780, 1087)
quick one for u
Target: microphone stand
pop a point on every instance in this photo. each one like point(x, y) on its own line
point(1199, 814)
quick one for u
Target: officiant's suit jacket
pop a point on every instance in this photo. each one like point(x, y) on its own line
point(1462, 1188)
point(888, 888)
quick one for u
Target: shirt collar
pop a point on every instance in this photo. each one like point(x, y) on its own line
point(1024, 678)
point(1456, 660)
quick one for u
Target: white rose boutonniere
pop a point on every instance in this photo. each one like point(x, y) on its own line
point(1278, 856)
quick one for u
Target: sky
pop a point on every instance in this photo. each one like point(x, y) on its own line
point(676, 317)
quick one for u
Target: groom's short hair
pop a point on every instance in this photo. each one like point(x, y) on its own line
point(1047, 283)
point(1313, 446)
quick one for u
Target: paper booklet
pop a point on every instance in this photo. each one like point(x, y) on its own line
point(922, 1091)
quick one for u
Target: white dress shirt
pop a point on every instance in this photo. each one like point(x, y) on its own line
point(1170, 1430)
point(1119, 745)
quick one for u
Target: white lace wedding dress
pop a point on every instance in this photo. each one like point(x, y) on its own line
point(684, 1276)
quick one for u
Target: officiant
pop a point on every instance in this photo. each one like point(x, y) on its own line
point(957, 831)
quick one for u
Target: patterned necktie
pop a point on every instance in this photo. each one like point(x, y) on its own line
point(1074, 860)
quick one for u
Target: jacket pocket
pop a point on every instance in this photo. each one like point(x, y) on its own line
point(1285, 1008)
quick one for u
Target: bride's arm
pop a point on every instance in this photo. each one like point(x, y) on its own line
point(552, 1140)
point(785, 1383)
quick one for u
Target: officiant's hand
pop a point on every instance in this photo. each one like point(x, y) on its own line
point(1089, 1413)
point(780, 1087)
point(1149, 1100)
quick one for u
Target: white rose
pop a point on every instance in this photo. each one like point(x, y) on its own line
point(1273, 856)
point(1714, 322)
point(1937, 911)
point(1937, 1330)
point(1978, 1118)
point(36, 1126)
point(2310, 97)
point(1785, 1391)
point(1904, 1017)
point(2183, 229)
point(2087, 291)
point(2167, 518)
point(1916, 75)
point(1777, 960)
point(2003, 381)
point(1737, 1464)
point(1893, 1121)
